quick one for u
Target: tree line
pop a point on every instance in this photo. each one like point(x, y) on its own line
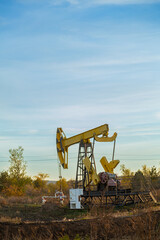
point(16, 182)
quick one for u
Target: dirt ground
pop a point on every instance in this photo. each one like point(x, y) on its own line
point(143, 225)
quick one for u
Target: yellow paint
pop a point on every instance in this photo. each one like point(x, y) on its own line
point(109, 166)
point(63, 143)
point(93, 177)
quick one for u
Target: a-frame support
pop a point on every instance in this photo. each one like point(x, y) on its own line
point(85, 150)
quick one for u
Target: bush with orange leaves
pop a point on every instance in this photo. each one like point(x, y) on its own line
point(13, 190)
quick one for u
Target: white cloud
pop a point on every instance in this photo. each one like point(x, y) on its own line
point(123, 2)
point(29, 132)
point(158, 115)
point(103, 62)
point(127, 132)
point(60, 2)
point(73, 1)
point(90, 2)
point(103, 2)
point(74, 130)
point(3, 139)
point(30, 1)
point(137, 103)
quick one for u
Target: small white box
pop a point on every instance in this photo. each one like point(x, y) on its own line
point(75, 194)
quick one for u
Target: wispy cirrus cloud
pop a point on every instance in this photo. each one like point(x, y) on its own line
point(58, 2)
point(90, 3)
point(105, 62)
point(123, 2)
point(52, 2)
point(141, 103)
point(158, 115)
point(103, 2)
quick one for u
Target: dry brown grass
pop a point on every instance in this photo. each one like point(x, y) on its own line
point(144, 226)
point(158, 195)
point(141, 222)
point(19, 200)
point(3, 201)
point(141, 227)
point(10, 220)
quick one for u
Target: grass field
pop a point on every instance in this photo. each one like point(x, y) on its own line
point(44, 222)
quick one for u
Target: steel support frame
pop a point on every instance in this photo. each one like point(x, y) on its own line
point(86, 149)
point(113, 198)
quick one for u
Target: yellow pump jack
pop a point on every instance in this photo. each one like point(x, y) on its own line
point(86, 168)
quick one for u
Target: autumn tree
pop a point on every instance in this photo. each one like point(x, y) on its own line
point(154, 173)
point(16, 175)
point(17, 169)
point(5, 180)
point(40, 182)
point(62, 185)
point(51, 187)
point(127, 175)
point(146, 171)
point(126, 172)
point(139, 182)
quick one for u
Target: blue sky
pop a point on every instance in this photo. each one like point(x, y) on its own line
point(77, 65)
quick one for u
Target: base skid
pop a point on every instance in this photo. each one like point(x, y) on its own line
point(119, 198)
